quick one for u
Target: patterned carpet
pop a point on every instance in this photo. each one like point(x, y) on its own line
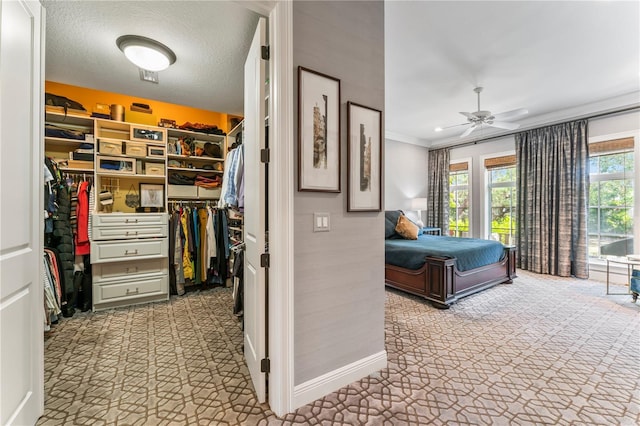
point(542, 350)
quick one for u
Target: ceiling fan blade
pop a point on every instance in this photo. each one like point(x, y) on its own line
point(468, 115)
point(439, 129)
point(503, 125)
point(468, 131)
point(510, 115)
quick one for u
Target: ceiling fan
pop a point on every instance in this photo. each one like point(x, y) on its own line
point(480, 117)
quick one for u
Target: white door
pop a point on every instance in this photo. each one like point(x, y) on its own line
point(21, 162)
point(254, 207)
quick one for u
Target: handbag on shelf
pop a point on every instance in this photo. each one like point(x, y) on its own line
point(132, 199)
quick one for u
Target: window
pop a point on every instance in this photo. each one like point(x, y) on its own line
point(459, 200)
point(502, 198)
point(611, 175)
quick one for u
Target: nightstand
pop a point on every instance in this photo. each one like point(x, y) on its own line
point(431, 231)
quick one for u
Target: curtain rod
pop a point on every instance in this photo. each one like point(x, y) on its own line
point(504, 135)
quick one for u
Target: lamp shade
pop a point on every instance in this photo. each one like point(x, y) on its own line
point(419, 204)
point(146, 53)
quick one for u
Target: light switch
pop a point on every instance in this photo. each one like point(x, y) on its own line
point(320, 222)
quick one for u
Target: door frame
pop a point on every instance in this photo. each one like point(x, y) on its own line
point(281, 198)
point(281, 211)
point(281, 185)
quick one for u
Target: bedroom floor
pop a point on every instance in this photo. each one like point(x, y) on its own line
point(542, 350)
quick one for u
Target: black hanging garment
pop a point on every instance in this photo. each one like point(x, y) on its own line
point(62, 240)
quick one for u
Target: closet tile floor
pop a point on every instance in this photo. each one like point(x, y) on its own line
point(176, 362)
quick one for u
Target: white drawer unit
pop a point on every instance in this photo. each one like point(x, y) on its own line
point(130, 291)
point(117, 271)
point(129, 254)
point(129, 219)
point(112, 251)
point(124, 232)
point(131, 288)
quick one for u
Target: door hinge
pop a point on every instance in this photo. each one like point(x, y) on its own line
point(264, 260)
point(265, 365)
point(265, 155)
point(265, 52)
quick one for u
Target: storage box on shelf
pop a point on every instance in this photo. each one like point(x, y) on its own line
point(123, 164)
point(64, 136)
point(206, 158)
point(129, 259)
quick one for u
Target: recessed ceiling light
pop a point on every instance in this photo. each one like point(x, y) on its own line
point(438, 129)
point(146, 53)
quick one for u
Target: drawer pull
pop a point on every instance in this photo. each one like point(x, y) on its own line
point(131, 221)
point(131, 233)
point(127, 252)
point(132, 270)
point(129, 291)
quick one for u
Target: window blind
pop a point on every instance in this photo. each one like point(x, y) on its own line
point(504, 161)
point(613, 145)
point(457, 167)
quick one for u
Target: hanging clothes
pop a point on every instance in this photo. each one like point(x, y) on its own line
point(186, 254)
point(238, 283)
point(83, 245)
point(178, 252)
point(232, 189)
point(202, 252)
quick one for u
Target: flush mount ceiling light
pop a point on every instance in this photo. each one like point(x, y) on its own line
point(146, 53)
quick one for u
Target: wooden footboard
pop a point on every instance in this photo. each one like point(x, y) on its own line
point(440, 282)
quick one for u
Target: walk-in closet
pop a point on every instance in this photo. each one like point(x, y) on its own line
point(144, 231)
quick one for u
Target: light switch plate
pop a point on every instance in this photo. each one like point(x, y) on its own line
point(321, 222)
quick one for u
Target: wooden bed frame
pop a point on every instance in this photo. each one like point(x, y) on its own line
point(440, 281)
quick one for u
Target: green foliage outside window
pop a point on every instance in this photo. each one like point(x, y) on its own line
point(459, 204)
point(503, 204)
point(610, 199)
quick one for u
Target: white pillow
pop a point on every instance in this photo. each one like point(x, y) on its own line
point(412, 215)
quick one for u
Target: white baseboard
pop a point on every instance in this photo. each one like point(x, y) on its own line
point(313, 389)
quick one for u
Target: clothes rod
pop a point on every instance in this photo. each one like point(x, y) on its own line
point(504, 135)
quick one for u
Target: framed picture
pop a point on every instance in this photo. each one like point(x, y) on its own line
point(318, 132)
point(364, 158)
point(152, 195)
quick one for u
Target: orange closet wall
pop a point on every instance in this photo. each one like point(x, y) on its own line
point(181, 114)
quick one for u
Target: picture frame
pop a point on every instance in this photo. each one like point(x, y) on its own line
point(152, 195)
point(364, 158)
point(318, 132)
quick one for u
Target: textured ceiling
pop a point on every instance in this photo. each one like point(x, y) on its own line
point(556, 59)
point(553, 58)
point(210, 39)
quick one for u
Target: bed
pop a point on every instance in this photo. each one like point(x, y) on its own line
point(443, 269)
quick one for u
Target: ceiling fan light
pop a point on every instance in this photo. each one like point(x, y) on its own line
point(146, 53)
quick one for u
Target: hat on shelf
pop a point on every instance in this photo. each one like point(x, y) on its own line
point(212, 150)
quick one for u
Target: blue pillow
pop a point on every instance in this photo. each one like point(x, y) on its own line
point(390, 221)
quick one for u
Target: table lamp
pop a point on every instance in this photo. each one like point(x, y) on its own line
point(419, 204)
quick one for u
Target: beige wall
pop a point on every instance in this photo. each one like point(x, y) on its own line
point(339, 275)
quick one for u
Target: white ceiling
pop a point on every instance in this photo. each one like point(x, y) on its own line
point(556, 59)
point(545, 56)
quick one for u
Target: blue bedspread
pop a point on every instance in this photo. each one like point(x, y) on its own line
point(470, 252)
